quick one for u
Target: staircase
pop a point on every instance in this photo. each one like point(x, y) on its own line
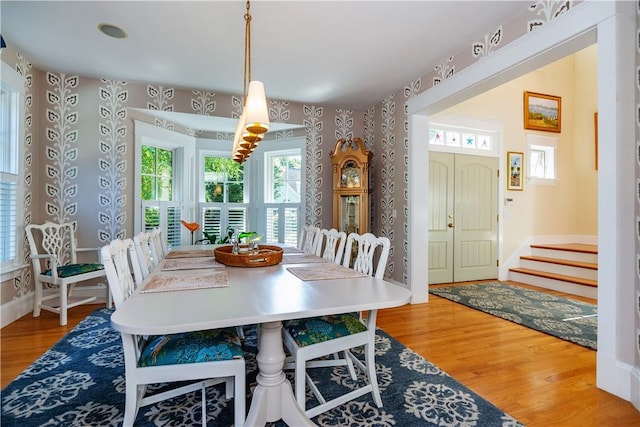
point(570, 268)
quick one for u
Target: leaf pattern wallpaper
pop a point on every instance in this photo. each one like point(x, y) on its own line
point(79, 152)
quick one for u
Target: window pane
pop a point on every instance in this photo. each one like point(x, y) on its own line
point(453, 139)
point(165, 163)
point(213, 192)
point(148, 160)
point(484, 142)
point(537, 165)
point(236, 193)
point(436, 137)
point(164, 189)
point(148, 188)
point(285, 184)
point(223, 180)
point(469, 140)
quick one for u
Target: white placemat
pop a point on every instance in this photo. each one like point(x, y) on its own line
point(300, 258)
point(195, 253)
point(165, 282)
point(190, 263)
point(324, 271)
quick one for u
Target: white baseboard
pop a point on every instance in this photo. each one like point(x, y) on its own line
point(15, 309)
point(615, 377)
point(635, 388)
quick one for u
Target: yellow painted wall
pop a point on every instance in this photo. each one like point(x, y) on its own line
point(570, 206)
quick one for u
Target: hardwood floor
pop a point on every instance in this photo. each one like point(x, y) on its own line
point(538, 379)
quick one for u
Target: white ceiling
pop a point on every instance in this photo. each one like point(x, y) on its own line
point(349, 54)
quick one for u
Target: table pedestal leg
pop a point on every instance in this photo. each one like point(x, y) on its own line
point(273, 398)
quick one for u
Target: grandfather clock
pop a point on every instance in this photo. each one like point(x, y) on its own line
point(350, 160)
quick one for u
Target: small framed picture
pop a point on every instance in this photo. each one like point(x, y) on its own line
point(515, 166)
point(542, 112)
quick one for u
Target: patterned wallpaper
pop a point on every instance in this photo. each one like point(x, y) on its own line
point(637, 174)
point(79, 142)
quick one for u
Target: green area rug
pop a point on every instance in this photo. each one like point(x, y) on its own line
point(565, 318)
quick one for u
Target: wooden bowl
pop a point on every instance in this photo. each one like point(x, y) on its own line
point(266, 255)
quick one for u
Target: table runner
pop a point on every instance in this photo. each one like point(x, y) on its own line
point(300, 258)
point(165, 282)
point(195, 253)
point(325, 271)
point(190, 264)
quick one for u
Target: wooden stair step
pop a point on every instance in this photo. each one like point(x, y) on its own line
point(588, 265)
point(561, 277)
point(570, 247)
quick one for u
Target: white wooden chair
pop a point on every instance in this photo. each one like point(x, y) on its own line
point(147, 256)
point(308, 240)
point(154, 360)
point(330, 245)
point(159, 246)
point(54, 256)
point(307, 339)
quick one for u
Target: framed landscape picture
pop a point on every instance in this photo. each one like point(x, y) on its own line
point(542, 112)
point(515, 162)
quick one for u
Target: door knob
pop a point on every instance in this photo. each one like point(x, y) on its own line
point(450, 225)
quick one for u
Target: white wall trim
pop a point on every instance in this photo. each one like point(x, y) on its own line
point(15, 309)
point(21, 306)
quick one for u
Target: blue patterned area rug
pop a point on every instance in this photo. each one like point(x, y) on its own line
point(80, 382)
point(565, 318)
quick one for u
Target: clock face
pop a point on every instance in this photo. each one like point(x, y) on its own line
point(350, 176)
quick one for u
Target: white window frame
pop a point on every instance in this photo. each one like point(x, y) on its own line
point(548, 145)
point(183, 147)
point(260, 161)
point(218, 148)
point(13, 82)
point(254, 178)
point(467, 125)
point(293, 148)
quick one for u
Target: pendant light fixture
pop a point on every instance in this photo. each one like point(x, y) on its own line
point(254, 121)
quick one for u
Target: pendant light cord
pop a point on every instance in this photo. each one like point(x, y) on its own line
point(247, 52)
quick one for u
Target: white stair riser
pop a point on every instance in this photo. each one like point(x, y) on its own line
point(556, 285)
point(565, 270)
point(568, 255)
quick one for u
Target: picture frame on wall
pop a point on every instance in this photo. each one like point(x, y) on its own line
point(542, 112)
point(515, 167)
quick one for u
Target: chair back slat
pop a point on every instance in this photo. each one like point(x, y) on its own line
point(366, 252)
point(308, 239)
point(330, 245)
point(53, 239)
point(158, 244)
point(122, 268)
point(145, 251)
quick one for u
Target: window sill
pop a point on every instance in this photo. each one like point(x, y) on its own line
point(541, 181)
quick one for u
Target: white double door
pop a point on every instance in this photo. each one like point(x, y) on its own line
point(463, 231)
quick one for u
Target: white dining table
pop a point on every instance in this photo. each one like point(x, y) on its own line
point(255, 295)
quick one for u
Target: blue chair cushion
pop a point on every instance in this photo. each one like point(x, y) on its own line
point(313, 330)
point(75, 269)
point(192, 347)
